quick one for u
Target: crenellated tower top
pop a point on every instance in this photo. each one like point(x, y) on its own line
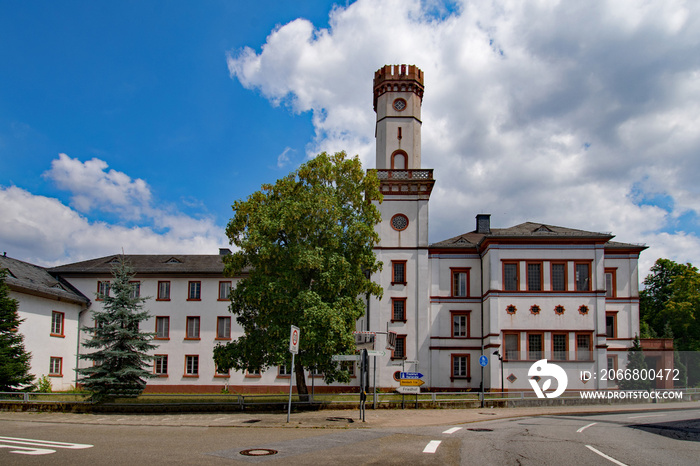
point(398, 78)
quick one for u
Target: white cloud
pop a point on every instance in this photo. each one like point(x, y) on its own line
point(283, 159)
point(44, 231)
point(93, 187)
point(546, 111)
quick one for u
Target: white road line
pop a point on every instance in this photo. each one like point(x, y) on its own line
point(646, 415)
point(432, 446)
point(33, 445)
point(609, 458)
point(586, 427)
point(453, 430)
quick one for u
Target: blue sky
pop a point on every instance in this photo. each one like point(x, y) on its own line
point(136, 125)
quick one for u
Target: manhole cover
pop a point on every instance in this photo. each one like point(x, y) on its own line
point(341, 419)
point(481, 429)
point(258, 452)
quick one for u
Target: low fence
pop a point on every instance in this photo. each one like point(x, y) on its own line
point(159, 403)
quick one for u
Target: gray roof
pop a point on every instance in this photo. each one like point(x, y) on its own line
point(161, 264)
point(32, 279)
point(528, 231)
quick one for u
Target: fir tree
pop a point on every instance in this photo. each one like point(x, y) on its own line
point(14, 359)
point(635, 361)
point(120, 355)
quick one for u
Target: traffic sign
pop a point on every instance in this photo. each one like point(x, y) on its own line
point(483, 361)
point(376, 352)
point(411, 361)
point(411, 382)
point(411, 375)
point(408, 390)
point(294, 340)
point(346, 357)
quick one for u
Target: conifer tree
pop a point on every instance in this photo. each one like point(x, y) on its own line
point(14, 359)
point(635, 361)
point(120, 355)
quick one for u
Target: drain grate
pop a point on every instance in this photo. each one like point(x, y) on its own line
point(258, 452)
point(481, 429)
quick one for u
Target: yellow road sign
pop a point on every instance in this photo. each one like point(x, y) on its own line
point(411, 382)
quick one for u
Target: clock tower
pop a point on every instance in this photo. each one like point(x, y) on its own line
point(403, 230)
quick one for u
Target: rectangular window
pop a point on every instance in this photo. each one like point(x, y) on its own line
point(253, 373)
point(512, 345)
point(398, 272)
point(135, 290)
point(57, 323)
point(560, 346)
point(284, 371)
point(223, 328)
point(610, 283)
point(510, 276)
point(192, 328)
point(163, 291)
point(191, 366)
point(583, 347)
point(221, 372)
point(535, 346)
point(348, 366)
point(398, 309)
point(611, 324)
point(400, 348)
point(102, 290)
point(224, 291)
point(162, 328)
point(534, 276)
point(160, 364)
point(559, 276)
point(195, 291)
point(56, 367)
point(583, 277)
point(460, 324)
point(460, 366)
point(460, 283)
point(612, 362)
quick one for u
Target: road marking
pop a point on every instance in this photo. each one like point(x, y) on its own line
point(453, 430)
point(586, 427)
point(609, 458)
point(33, 446)
point(432, 446)
point(646, 415)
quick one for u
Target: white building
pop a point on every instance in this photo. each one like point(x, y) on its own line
point(526, 292)
point(50, 309)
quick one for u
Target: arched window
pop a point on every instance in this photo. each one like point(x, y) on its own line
point(398, 160)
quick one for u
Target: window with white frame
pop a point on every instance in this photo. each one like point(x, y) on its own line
point(192, 365)
point(460, 283)
point(192, 328)
point(160, 364)
point(460, 324)
point(460, 366)
point(56, 366)
point(194, 291)
point(57, 319)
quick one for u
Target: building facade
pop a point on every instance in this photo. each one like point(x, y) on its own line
point(515, 295)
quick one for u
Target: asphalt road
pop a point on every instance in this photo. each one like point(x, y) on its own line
point(639, 438)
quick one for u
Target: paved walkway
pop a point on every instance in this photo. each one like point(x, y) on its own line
point(334, 418)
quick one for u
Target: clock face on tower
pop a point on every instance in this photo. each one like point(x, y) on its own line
point(399, 105)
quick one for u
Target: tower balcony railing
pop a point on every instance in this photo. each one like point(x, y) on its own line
point(401, 175)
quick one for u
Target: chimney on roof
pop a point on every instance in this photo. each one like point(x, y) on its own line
point(224, 252)
point(483, 223)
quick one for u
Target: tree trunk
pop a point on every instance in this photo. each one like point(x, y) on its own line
point(302, 389)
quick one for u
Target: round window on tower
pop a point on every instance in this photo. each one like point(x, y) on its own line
point(399, 222)
point(399, 105)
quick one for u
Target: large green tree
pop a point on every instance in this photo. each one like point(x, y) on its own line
point(306, 255)
point(670, 303)
point(14, 359)
point(120, 347)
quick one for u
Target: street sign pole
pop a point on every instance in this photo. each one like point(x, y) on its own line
point(294, 349)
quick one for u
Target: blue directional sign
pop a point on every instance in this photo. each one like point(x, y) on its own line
point(411, 375)
point(483, 361)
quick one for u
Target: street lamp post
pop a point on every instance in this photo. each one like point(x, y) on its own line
point(500, 358)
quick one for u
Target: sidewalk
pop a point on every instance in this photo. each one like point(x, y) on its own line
point(335, 418)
